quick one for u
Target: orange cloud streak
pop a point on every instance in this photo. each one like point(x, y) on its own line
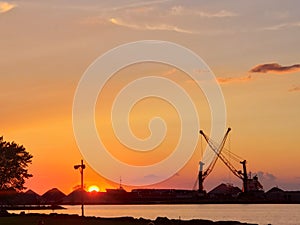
point(5, 7)
point(226, 80)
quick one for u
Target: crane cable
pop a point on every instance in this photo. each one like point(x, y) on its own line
point(227, 151)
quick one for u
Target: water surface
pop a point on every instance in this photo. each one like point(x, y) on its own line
point(263, 214)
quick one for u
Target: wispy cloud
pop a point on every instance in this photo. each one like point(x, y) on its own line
point(140, 4)
point(139, 16)
point(141, 10)
point(120, 22)
point(180, 11)
point(162, 26)
point(226, 80)
point(5, 7)
point(282, 26)
point(294, 89)
point(275, 68)
point(219, 14)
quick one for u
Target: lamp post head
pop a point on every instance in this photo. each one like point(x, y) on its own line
point(77, 167)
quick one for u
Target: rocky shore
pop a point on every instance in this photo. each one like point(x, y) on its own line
point(64, 219)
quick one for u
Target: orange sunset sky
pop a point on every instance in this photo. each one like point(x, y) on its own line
point(251, 46)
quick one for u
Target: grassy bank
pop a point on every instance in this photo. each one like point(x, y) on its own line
point(59, 219)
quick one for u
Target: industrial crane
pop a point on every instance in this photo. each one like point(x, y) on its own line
point(203, 174)
point(248, 183)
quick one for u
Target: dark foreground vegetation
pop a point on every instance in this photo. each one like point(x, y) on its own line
point(62, 219)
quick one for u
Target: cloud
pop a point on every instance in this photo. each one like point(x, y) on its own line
point(169, 72)
point(139, 16)
point(141, 10)
point(282, 26)
point(140, 4)
point(265, 176)
point(5, 7)
point(119, 22)
point(275, 68)
point(226, 80)
point(162, 27)
point(219, 14)
point(294, 89)
point(180, 11)
point(268, 180)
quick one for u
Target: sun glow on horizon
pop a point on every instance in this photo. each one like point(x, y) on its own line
point(93, 188)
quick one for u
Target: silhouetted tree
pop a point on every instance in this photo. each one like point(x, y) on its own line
point(14, 160)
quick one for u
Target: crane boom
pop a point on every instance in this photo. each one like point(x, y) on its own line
point(217, 150)
point(203, 174)
point(238, 173)
point(219, 155)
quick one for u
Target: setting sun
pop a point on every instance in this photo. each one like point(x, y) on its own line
point(93, 188)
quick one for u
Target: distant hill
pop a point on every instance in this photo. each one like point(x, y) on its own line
point(29, 198)
point(53, 196)
point(75, 197)
point(275, 190)
point(225, 190)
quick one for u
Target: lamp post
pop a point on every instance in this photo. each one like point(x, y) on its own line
point(81, 167)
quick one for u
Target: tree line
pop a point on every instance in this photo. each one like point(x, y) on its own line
point(14, 162)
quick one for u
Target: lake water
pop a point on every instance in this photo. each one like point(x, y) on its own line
point(263, 214)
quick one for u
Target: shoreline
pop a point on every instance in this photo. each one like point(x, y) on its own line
point(32, 207)
point(74, 219)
